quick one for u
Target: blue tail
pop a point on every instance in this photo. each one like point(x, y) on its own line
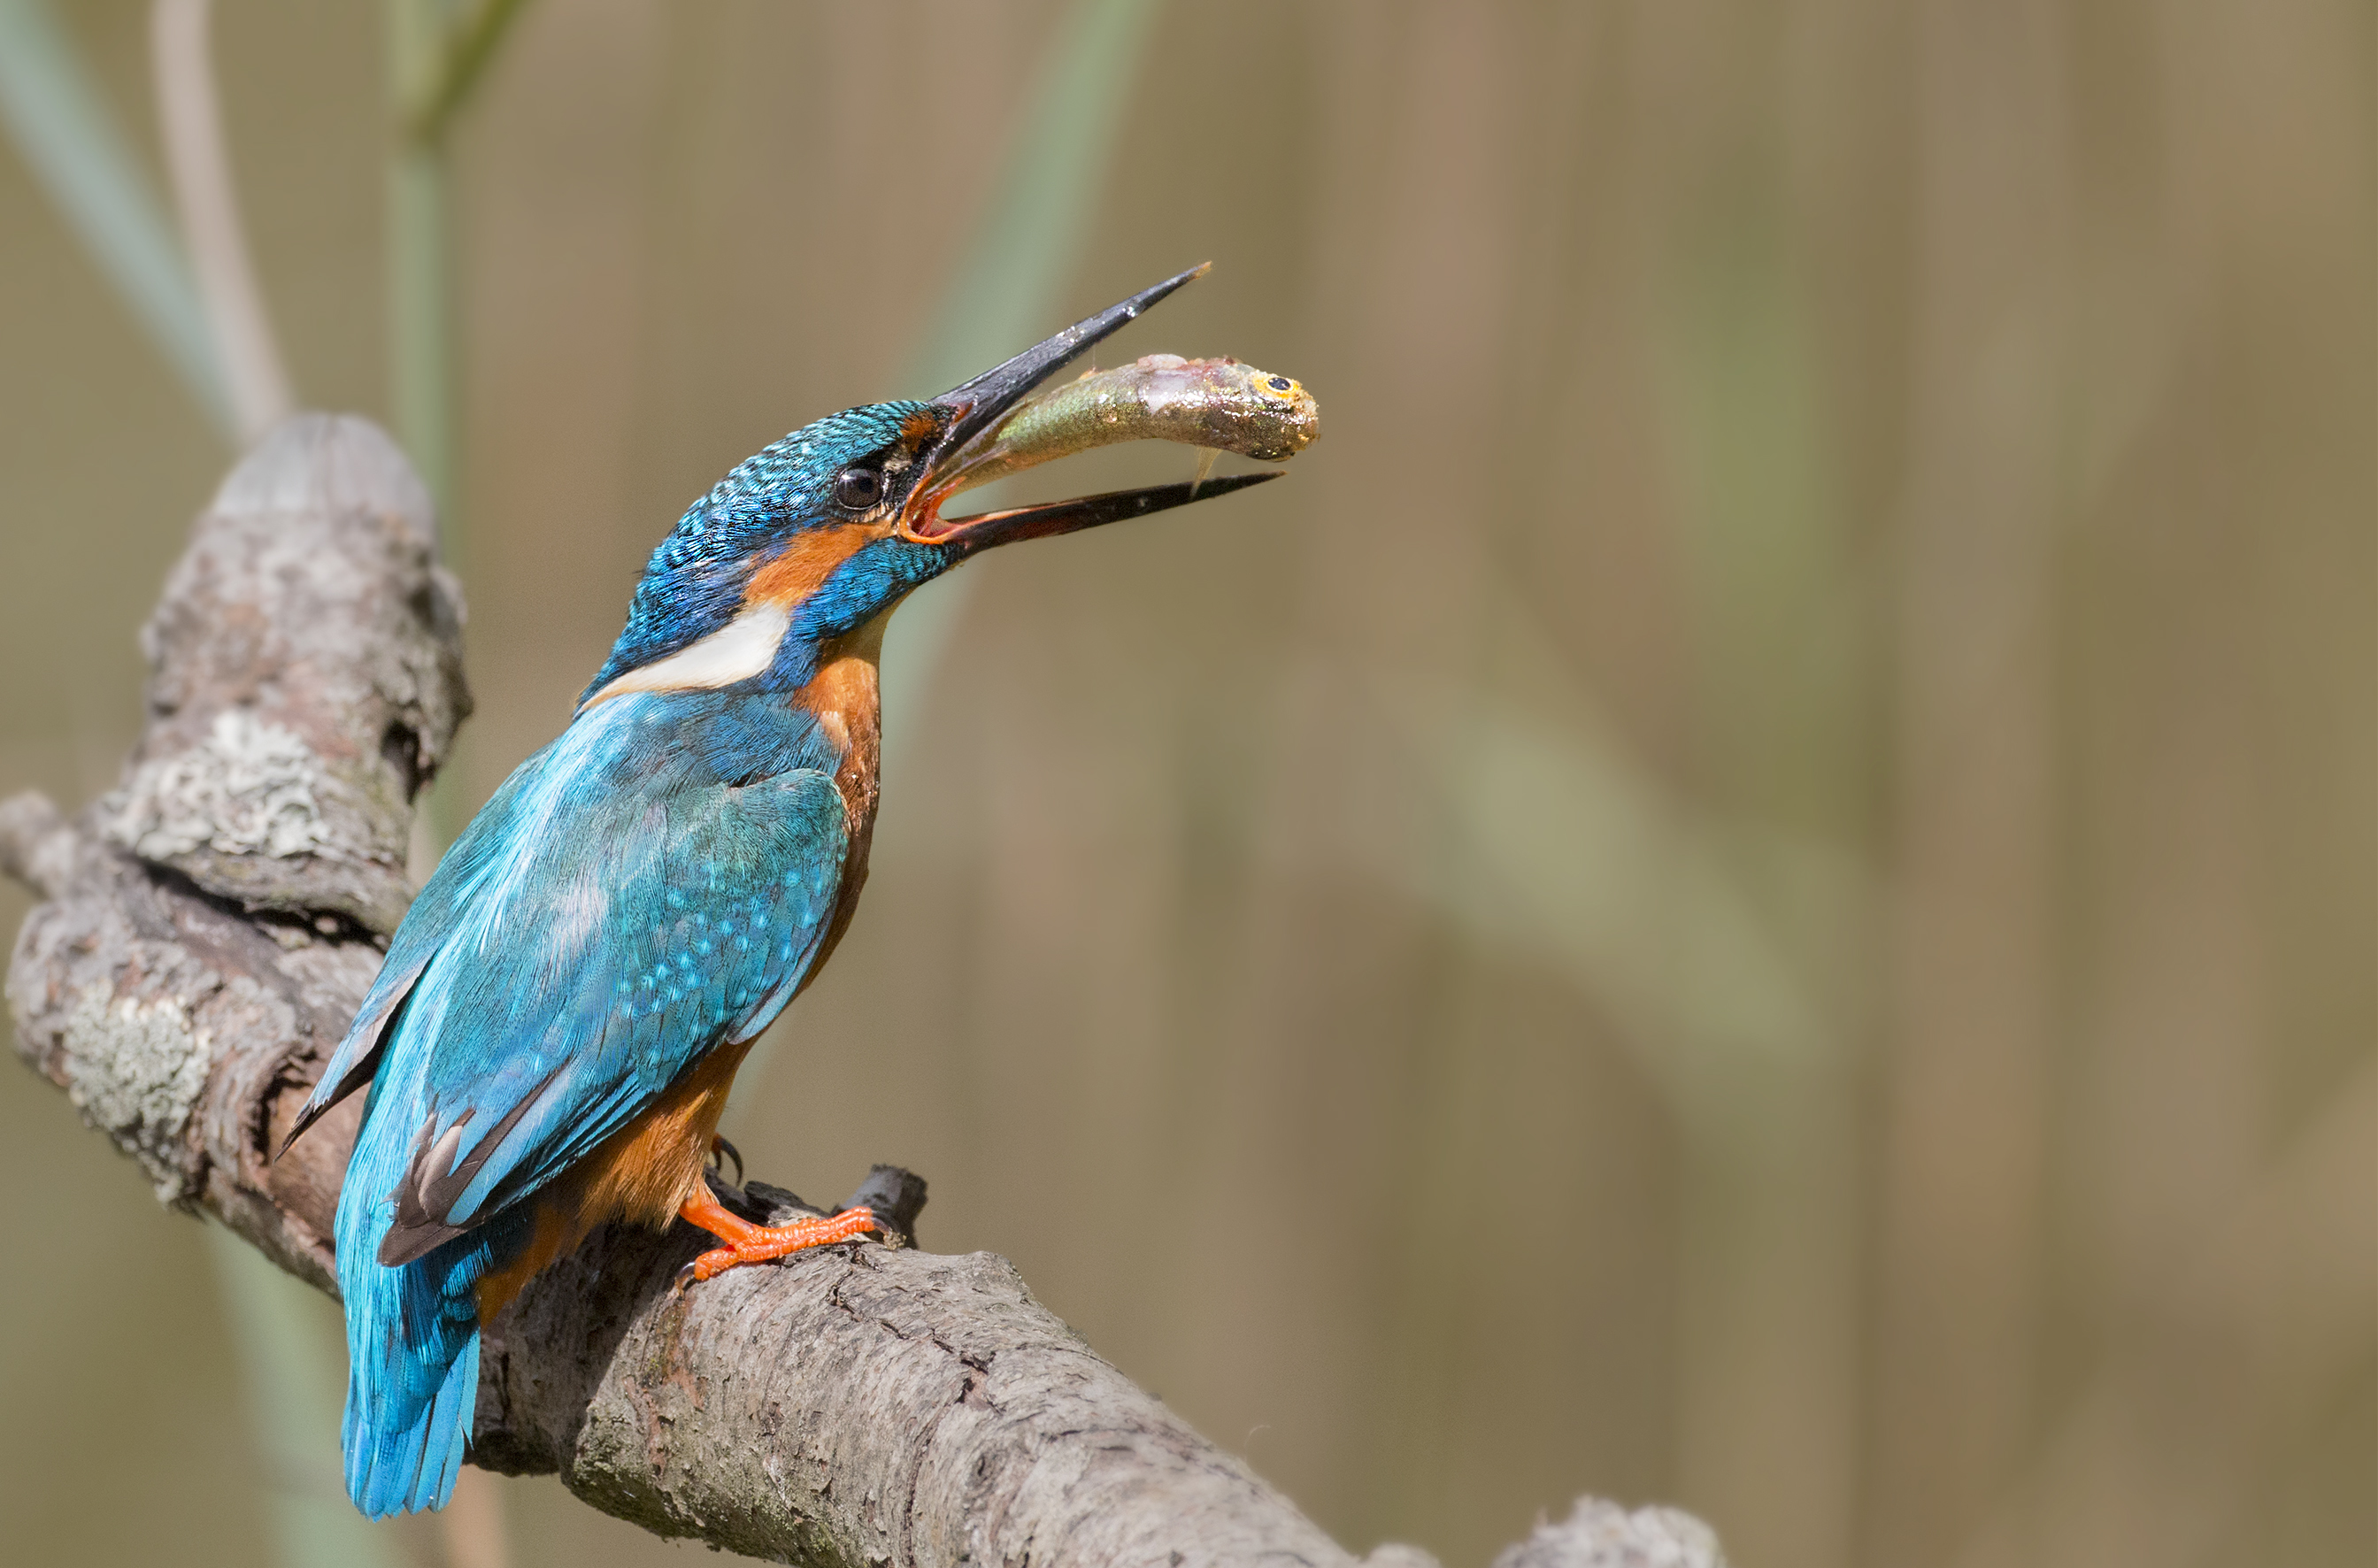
point(403, 1452)
point(413, 1340)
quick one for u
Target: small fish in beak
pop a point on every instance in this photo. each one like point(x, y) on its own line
point(1218, 404)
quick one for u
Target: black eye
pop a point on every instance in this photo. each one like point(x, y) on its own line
point(856, 489)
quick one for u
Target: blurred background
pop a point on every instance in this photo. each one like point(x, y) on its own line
point(1753, 887)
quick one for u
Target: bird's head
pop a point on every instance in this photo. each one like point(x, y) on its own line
point(819, 535)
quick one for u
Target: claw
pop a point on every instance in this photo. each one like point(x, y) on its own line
point(721, 1151)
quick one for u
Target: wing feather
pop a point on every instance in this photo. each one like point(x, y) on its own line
point(351, 1065)
point(591, 944)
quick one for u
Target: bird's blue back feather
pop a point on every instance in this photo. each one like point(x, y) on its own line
point(654, 882)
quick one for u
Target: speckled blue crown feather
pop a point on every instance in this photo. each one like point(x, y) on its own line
point(693, 584)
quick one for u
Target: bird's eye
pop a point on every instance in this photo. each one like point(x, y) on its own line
point(856, 489)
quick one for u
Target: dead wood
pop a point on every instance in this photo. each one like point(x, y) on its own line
point(207, 931)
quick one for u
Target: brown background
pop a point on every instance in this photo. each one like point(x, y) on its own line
point(1753, 886)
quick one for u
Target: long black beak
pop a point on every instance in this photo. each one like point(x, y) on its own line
point(978, 405)
point(986, 529)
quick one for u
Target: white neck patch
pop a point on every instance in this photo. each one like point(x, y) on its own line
point(737, 651)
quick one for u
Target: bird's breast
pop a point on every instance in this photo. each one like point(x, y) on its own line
point(845, 696)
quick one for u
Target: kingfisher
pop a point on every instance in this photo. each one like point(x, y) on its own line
point(554, 1032)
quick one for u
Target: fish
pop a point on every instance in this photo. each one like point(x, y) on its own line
point(1219, 404)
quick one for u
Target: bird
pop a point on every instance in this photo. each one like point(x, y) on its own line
point(558, 1018)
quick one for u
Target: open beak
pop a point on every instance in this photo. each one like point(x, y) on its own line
point(974, 409)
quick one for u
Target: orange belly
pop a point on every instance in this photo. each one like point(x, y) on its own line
point(645, 1172)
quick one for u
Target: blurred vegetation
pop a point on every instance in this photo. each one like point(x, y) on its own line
point(1794, 777)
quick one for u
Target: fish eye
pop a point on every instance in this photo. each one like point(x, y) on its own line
point(1279, 386)
point(856, 489)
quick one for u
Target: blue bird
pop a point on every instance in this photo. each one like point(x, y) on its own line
point(554, 1032)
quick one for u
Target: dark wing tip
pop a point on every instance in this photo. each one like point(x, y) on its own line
point(426, 1196)
point(378, 1026)
point(406, 1240)
point(307, 1114)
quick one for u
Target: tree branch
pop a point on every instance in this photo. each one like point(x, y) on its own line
point(209, 928)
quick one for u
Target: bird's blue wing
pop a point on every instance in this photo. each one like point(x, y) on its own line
point(609, 918)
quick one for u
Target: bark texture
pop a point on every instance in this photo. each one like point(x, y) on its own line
point(209, 929)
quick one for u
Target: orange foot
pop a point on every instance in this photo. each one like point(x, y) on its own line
point(749, 1243)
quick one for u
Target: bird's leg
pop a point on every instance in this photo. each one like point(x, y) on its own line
point(749, 1243)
